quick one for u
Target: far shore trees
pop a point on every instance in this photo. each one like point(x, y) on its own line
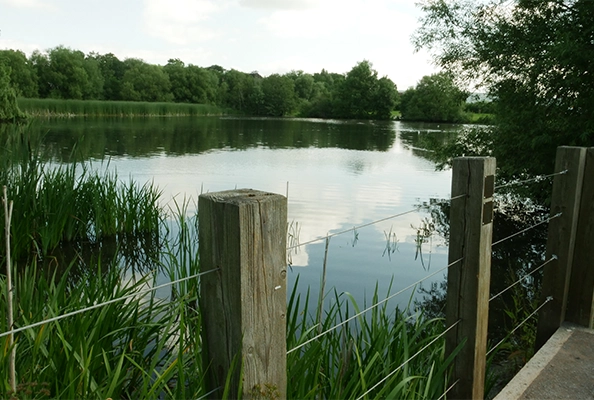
point(436, 98)
point(64, 73)
point(9, 109)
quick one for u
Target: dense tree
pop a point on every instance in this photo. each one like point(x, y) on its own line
point(279, 95)
point(22, 75)
point(361, 95)
point(9, 109)
point(112, 71)
point(64, 73)
point(436, 98)
point(145, 82)
point(535, 57)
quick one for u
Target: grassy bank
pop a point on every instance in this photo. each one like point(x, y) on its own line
point(101, 108)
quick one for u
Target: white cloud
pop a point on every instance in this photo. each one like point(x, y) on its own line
point(180, 21)
point(31, 4)
point(278, 4)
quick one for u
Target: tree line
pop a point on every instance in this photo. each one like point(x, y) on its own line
point(63, 73)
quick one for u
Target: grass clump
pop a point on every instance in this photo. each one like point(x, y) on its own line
point(65, 203)
point(105, 108)
point(366, 357)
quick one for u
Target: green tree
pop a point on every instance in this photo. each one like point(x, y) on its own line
point(22, 75)
point(9, 109)
point(94, 85)
point(176, 70)
point(112, 70)
point(279, 95)
point(536, 58)
point(362, 95)
point(436, 98)
point(145, 82)
point(64, 73)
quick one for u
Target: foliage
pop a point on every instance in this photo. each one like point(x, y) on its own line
point(104, 108)
point(369, 351)
point(65, 204)
point(9, 109)
point(436, 98)
point(64, 73)
point(140, 347)
point(145, 82)
point(535, 58)
point(22, 75)
point(362, 95)
point(279, 95)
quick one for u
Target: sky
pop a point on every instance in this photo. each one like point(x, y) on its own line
point(268, 36)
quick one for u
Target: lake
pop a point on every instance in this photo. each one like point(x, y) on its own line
point(337, 175)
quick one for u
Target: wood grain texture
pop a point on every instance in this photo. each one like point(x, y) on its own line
point(561, 240)
point(242, 233)
point(580, 301)
point(471, 229)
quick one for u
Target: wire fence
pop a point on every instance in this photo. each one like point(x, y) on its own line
point(105, 303)
point(553, 257)
point(441, 335)
point(520, 325)
point(376, 304)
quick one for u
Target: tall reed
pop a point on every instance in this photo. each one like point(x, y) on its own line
point(370, 350)
point(104, 108)
point(56, 204)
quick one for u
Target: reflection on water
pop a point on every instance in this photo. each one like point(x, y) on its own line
point(339, 175)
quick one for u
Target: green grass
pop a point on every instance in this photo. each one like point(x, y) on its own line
point(480, 118)
point(369, 350)
point(57, 204)
point(149, 346)
point(104, 108)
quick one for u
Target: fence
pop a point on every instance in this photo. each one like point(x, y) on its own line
point(242, 235)
point(243, 297)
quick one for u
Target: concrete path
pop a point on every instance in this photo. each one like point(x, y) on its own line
point(562, 369)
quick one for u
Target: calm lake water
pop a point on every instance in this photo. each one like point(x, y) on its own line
point(337, 174)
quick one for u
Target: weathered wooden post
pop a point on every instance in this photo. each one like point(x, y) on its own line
point(471, 229)
point(561, 239)
point(580, 301)
point(242, 235)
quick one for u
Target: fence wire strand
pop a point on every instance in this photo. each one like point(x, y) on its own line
point(409, 359)
point(544, 221)
point(205, 396)
point(354, 228)
point(371, 307)
point(105, 303)
point(553, 257)
point(535, 179)
point(448, 389)
point(550, 298)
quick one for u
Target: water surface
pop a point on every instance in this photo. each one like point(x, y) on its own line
point(337, 175)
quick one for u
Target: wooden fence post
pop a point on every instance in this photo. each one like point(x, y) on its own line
point(580, 300)
point(565, 199)
point(242, 235)
point(471, 229)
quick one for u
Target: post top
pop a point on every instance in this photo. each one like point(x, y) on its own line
point(238, 196)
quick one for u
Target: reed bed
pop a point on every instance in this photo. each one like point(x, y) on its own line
point(57, 204)
point(372, 349)
point(148, 345)
point(103, 108)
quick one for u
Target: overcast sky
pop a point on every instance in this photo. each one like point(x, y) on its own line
point(268, 36)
